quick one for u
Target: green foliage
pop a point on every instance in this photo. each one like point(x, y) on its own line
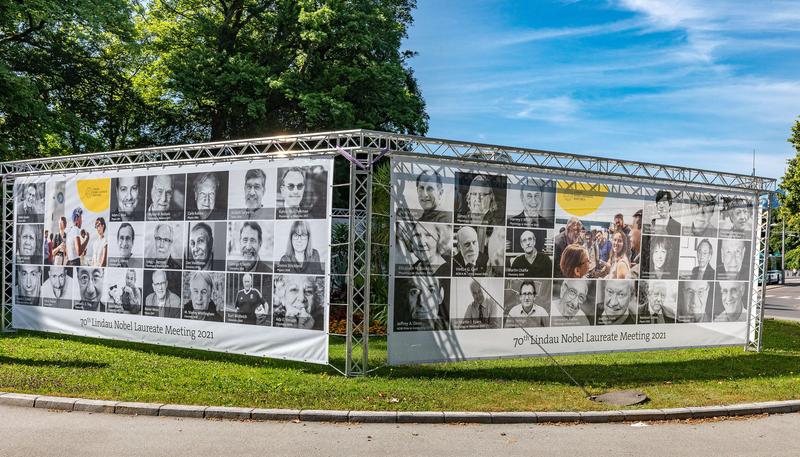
point(65, 77)
point(255, 67)
point(90, 75)
point(789, 212)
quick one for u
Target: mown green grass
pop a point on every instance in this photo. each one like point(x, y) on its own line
point(80, 367)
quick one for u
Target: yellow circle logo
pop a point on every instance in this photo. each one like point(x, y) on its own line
point(580, 198)
point(95, 194)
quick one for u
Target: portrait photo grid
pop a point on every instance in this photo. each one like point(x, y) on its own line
point(479, 249)
point(243, 243)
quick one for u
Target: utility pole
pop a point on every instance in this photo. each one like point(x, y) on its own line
point(783, 246)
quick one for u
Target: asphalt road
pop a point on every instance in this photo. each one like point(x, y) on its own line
point(35, 432)
point(783, 302)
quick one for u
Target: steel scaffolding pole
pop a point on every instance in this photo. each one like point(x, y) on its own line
point(758, 294)
point(358, 290)
point(8, 255)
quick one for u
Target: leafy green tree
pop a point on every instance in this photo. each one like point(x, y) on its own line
point(65, 77)
point(790, 205)
point(239, 68)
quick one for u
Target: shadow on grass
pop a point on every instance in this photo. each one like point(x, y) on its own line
point(734, 367)
point(51, 363)
point(169, 351)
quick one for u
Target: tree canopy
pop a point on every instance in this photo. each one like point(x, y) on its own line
point(790, 205)
point(89, 75)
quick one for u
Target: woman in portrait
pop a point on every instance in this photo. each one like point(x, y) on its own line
point(300, 256)
point(619, 263)
point(574, 261)
point(431, 244)
point(661, 254)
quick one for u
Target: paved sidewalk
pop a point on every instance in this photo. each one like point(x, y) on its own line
point(37, 431)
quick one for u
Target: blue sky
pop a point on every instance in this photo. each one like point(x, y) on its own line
point(698, 83)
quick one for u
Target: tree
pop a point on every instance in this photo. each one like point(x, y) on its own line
point(64, 77)
point(239, 68)
point(790, 202)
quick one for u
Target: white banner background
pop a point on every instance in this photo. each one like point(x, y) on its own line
point(291, 200)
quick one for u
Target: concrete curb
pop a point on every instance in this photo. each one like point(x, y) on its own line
point(392, 417)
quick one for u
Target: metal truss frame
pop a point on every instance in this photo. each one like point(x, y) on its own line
point(364, 146)
point(755, 318)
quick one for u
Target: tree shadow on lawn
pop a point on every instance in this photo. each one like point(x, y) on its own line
point(51, 363)
point(170, 351)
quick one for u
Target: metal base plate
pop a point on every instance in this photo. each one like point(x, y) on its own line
point(621, 398)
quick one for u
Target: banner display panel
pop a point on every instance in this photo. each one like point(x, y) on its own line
point(493, 262)
point(229, 257)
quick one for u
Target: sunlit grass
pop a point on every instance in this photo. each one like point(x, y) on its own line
point(81, 367)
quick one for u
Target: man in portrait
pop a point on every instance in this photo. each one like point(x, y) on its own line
point(250, 304)
point(422, 304)
point(57, 290)
point(694, 301)
point(532, 263)
point(534, 213)
point(471, 259)
point(206, 187)
point(125, 240)
point(129, 204)
point(663, 223)
point(731, 302)
point(705, 252)
point(161, 252)
point(482, 312)
point(733, 255)
point(255, 185)
point(527, 313)
point(250, 241)
point(162, 205)
point(568, 307)
point(430, 193)
point(200, 249)
point(162, 302)
point(29, 285)
point(90, 287)
point(201, 306)
point(29, 243)
point(619, 303)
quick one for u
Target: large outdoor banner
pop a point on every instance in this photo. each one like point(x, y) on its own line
point(495, 263)
point(227, 257)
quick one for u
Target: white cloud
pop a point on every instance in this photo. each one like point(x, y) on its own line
point(554, 109)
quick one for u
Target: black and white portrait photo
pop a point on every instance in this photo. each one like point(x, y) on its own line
point(206, 196)
point(424, 193)
point(527, 303)
point(299, 301)
point(59, 287)
point(701, 217)
point(29, 285)
point(480, 251)
point(203, 296)
point(205, 245)
point(301, 246)
point(162, 293)
point(423, 248)
point(733, 261)
point(421, 303)
point(660, 256)
point(616, 302)
point(164, 245)
point(531, 203)
point(736, 217)
point(698, 258)
point(123, 292)
point(527, 256)
point(251, 194)
point(127, 198)
point(166, 197)
point(476, 303)
point(480, 199)
point(29, 245)
point(126, 244)
point(302, 193)
point(29, 202)
point(731, 301)
point(695, 301)
point(250, 246)
point(90, 289)
point(662, 213)
point(658, 302)
point(249, 299)
point(573, 303)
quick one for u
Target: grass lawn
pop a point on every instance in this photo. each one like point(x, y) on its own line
point(80, 367)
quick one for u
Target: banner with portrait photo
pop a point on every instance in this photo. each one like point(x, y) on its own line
point(229, 257)
point(490, 262)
